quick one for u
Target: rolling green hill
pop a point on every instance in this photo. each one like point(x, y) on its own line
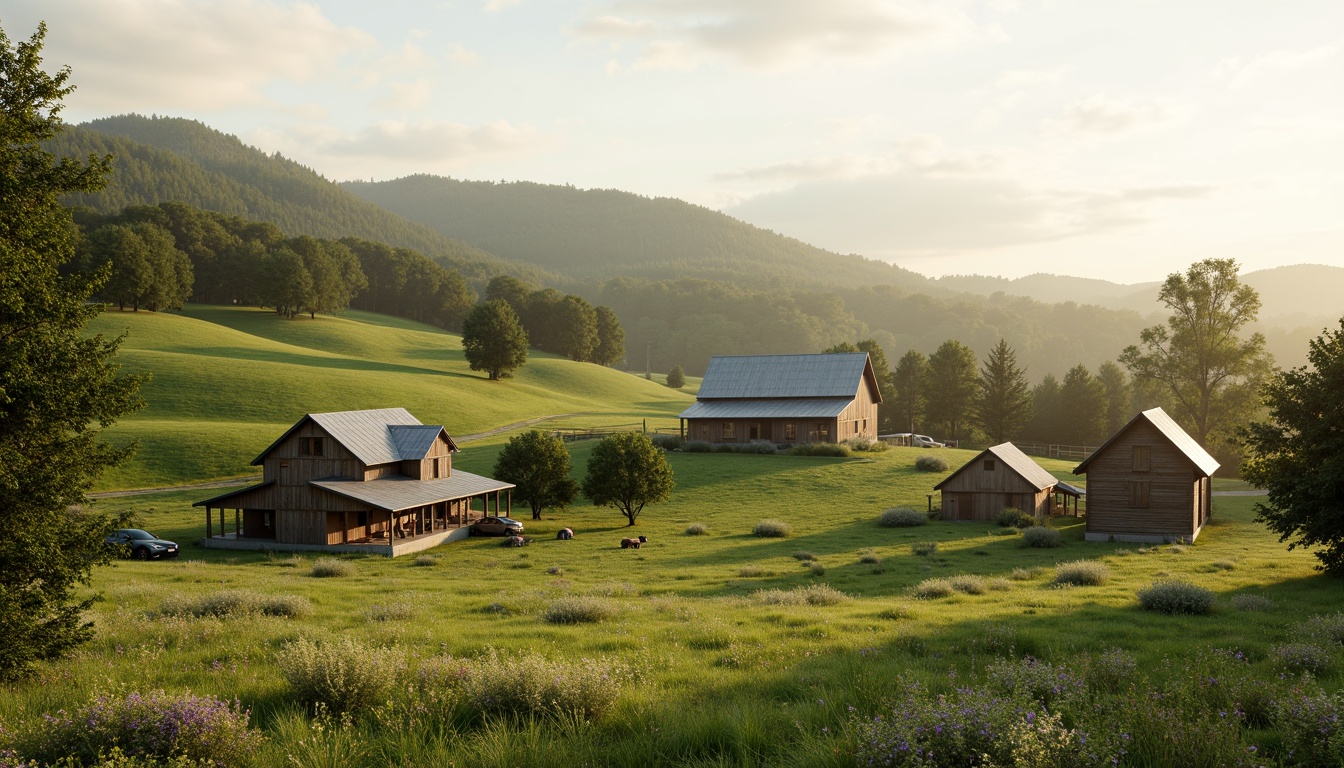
point(226, 381)
point(165, 159)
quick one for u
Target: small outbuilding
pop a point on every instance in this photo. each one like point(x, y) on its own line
point(1149, 482)
point(999, 477)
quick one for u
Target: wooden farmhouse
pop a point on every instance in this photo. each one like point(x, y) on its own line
point(785, 399)
point(355, 481)
point(1149, 482)
point(1000, 477)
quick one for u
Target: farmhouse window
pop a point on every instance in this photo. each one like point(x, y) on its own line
point(989, 465)
point(790, 432)
point(754, 432)
point(1142, 458)
point(310, 446)
point(729, 430)
point(1138, 494)
point(823, 432)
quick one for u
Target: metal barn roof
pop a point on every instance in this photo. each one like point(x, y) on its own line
point(784, 376)
point(1170, 430)
point(397, 493)
point(1013, 458)
point(375, 436)
point(819, 408)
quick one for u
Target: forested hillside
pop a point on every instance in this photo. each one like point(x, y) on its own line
point(164, 159)
point(596, 233)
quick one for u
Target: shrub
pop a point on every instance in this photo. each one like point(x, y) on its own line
point(1024, 574)
point(1247, 602)
point(804, 556)
point(343, 675)
point(328, 567)
point(1012, 517)
point(1041, 537)
point(578, 609)
point(527, 684)
point(816, 568)
point(1111, 671)
point(697, 446)
point(753, 572)
point(389, 612)
point(899, 517)
point(1034, 678)
point(930, 589)
point(971, 585)
point(555, 570)
point(667, 442)
point(763, 447)
point(1176, 597)
point(1323, 629)
point(812, 594)
point(151, 728)
point(772, 529)
point(1082, 573)
point(866, 444)
point(930, 464)
point(870, 558)
point(834, 450)
point(425, 561)
point(697, 529)
point(924, 548)
point(1302, 657)
point(1310, 726)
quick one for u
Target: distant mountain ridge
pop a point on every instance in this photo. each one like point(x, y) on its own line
point(162, 159)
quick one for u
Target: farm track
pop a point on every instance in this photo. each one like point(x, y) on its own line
point(231, 482)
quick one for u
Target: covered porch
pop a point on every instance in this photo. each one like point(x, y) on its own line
point(1063, 493)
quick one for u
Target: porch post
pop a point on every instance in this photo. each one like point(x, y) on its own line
point(209, 529)
point(510, 499)
point(237, 524)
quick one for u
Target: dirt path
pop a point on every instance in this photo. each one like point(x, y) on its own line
point(230, 483)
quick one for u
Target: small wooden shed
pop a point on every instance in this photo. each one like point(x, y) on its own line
point(998, 477)
point(1150, 482)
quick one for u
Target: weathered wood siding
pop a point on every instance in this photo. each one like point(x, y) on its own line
point(773, 430)
point(1176, 491)
point(859, 419)
point(976, 493)
point(259, 523)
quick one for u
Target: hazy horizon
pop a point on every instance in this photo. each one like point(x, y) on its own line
point(1117, 141)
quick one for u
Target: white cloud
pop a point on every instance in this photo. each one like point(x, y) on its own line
point(923, 153)
point(773, 34)
point(201, 54)
point(1239, 71)
point(1101, 115)
point(432, 143)
point(494, 6)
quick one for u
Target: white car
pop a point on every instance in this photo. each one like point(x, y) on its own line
point(913, 440)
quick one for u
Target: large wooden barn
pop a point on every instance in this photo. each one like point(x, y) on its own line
point(375, 480)
point(785, 399)
point(999, 477)
point(1150, 482)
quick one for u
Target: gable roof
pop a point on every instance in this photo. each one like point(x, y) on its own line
point(1169, 429)
point(376, 436)
point(1013, 458)
point(792, 408)
point(786, 376)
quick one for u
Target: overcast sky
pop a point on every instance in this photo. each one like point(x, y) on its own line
point(1118, 139)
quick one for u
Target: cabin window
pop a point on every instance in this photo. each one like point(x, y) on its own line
point(1141, 456)
point(310, 446)
point(823, 432)
point(1138, 494)
point(729, 430)
point(790, 432)
point(989, 465)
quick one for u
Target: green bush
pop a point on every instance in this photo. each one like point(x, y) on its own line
point(697, 529)
point(578, 609)
point(924, 548)
point(697, 446)
point(816, 568)
point(389, 612)
point(668, 442)
point(1302, 657)
point(930, 589)
point(526, 684)
point(329, 567)
point(930, 464)
point(1323, 629)
point(1248, 602)
point(762, 447)
point(1082, 573)
point(1176, 597)
point(772, 529)
point(1024, 574)
point(804, 556)
point(870, 558)
point(232, 603)
point(1041, 537)
point(1310, 725)
point(898, 517)
point(866, 445)
point(971, 585)
point(812, 594)
point(833, 450)
point(425, 561)
point(1012, 517)
point(342, 675)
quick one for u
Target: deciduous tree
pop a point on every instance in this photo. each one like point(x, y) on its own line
point(676, 378)
point(493, 339)
point(538, 464)
point(58, 386)
point(610, 337)
point(1003, 403)
point(1297, 455)
point(576, 329)
point(628, 471)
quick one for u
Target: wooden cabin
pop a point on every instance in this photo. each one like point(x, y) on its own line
point(1149, 482)
point(352, 480)
point(998, 477)
point(785, 399)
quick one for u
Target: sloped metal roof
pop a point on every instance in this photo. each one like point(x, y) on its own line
point(375, 436)
point(394, 494)
point(784, 376)
point(1170, 430)
point(1013, 458)
point(230, 494)
point(413, 442)
point(819, 408)
point(1070, 489)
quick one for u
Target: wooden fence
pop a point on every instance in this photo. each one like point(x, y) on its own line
point(572, 434)
point(1053, 451)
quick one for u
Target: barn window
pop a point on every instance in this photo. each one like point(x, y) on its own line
point(363, 518)
point(989, 465)
point(436, 469)
point(823, 432)
point(1138, 494)
point(729, 430)
point(1142, 456)
point(310, 446)
point(790, 432)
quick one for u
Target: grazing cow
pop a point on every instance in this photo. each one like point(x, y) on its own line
point(565, 534)
point(643, 540)
point(514, 541)
point(630, 543)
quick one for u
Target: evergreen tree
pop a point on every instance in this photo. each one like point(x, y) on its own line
point(1044, 425)
point(538, 464)
point(629, 472)
point(493, 339)
point(952, 385)
point(910, 380)
point(58, 386)
point(676, 378)
point(1003, 404)
point(1082, 408)
point(1119, 396)
point(610, 338)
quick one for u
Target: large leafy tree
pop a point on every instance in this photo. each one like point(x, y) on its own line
point(1003, 404)
point(610, 337)
point(1207, 371)
point(952, 385)
point(493, 339)
point(1298, 454)
point(910, 382)
point(576, 329)
point(628, 471)
point(57, 386)
point(538, 464)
